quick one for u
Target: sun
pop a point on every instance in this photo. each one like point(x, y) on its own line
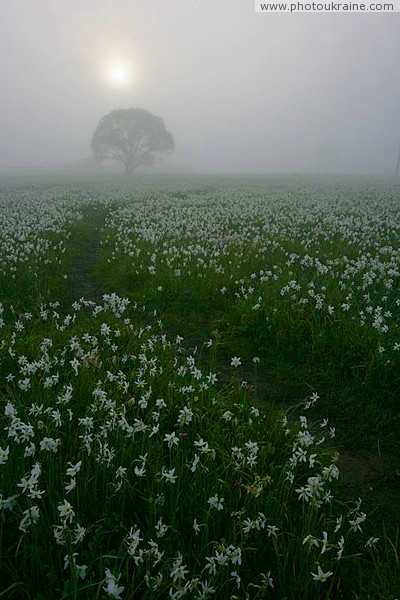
point(119, 73)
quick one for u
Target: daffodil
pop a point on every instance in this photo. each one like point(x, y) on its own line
point(320, 575)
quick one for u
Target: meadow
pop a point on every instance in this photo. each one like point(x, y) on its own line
point(199, 389)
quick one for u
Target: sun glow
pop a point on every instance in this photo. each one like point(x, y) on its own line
point(119, 73)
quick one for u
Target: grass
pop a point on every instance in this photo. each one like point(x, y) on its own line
point(166, 470)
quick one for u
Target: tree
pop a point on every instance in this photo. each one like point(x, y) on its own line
point(131, 136)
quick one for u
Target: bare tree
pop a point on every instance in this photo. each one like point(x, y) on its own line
point(131, 136)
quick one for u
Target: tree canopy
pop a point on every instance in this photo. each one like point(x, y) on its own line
point(133, 137)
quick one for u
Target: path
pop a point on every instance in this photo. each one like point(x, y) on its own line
point(85, 240)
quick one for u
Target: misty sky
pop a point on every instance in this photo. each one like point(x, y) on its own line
point(240, 91)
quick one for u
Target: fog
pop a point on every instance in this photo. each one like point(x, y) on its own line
point(240, 91)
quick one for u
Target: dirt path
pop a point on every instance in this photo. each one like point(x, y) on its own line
point(370, 476)
point(85, 241)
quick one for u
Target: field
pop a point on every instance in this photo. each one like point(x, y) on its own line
point(199, 389)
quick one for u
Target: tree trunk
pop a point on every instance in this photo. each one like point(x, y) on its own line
point(128, 170)
point(398, 164)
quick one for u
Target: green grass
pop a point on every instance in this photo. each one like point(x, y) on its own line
point(131, 379)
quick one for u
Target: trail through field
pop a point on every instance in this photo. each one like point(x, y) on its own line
point(365, 473)
point(85, 241)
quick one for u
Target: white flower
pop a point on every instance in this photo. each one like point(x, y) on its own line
point(169, 476)
point(185, 416)
point(74, 469)
point(216, 502)
point(206, 590)
point(58, 532)
point(331, 472)
point(71, 485)
point(341, 548)
point(81, 570)
point(268, 580)
point(121, 472)
point(324, 542)
point(272, 530)
point(196, 526)
point(133, 541)
point(202, 445)
point(228, 415)
point(235, 361)
point(66, 511)
point(112, 588)
point(195, 463)
point(75, 365)
point(31, 515)
point(30, 450)
point(171, 439)
point(321, 576)
point(4, 455)
point(371, 542)
point(304, 494)
point(49, 445)
point(310, 541)
point(178, 572)
point(154, 430)
point(7, 503)
point(9, 410)
point(161, 528)
point(80, 533)
point(355, 523)
point(338, 523)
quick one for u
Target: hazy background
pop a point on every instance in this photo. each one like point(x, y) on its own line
point(240, 91)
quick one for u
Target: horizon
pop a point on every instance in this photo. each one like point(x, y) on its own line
point(240, 91)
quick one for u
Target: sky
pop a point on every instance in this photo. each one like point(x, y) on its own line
point(240, 91)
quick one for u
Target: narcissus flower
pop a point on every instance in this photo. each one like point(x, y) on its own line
point(321, 576)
